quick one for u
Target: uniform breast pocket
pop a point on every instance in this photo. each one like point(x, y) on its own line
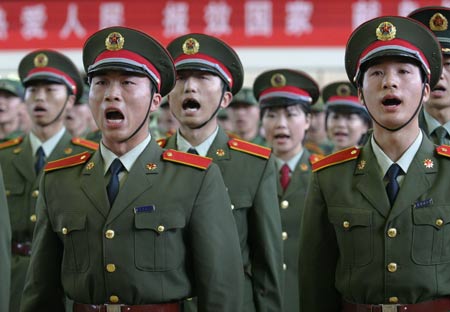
point(431, 235)
point(159, 241)
point(354, 234)
point(14, 189)
point(73, 233)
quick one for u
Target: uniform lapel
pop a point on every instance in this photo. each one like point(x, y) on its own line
point(299, 177)
point(24, 161)
point(62, 148)
point(369, 181)
point(219, 149)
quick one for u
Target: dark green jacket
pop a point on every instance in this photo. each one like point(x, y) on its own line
point(21, 184)
point(251, 184)
point(351, 236)
point(291, 209)
point(174, 237)
point(5, 249)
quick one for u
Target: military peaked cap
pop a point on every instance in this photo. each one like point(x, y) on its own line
point(202, 52)
point(342, 94)
point(50, 66)
point(130, 50)
point(244, 96)
point(392, 36)
point(14, 87)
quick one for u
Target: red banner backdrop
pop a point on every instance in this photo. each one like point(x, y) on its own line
point(244, 23)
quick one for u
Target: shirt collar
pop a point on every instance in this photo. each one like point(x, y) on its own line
point(432, 123)
point(202, 149)
point(292, 163)
point(128, 159)
point(49, 145)
point(404, 162)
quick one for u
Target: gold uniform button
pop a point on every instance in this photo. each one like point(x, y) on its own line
point(64, 230)
point(284, 204)
point(7, 192)
point(392, 267)
point(346, 224)
point(392, 232)
point(33, 218)
point(284, 266)
point(284, 235)
point(110, 268)
point(114, 299)
point(232, 207)
point(161, 228)
point(109, 234)
point(35, 194)
point(393, 299)
point(439, 222)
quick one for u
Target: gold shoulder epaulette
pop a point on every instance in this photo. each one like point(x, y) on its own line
point(85, 143)
point(11, 142)
point(187, 159)
point(315, 158)
point(162, 142)
point(336, 158)
point(443, 150)
point(249, 148)
point(67, 162)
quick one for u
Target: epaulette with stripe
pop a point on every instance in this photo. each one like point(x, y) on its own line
point(249, 148)
point(11, 142)
point(336, 158)
point(188, 159)
point(85, 143)
point(315, 158)
point(67, 162)
point(443, 150)
point(161, 142)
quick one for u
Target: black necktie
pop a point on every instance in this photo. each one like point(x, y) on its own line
point(440, 134)
point(192, 150)
point(113, 185)
point(40, 160)
point(392, 187)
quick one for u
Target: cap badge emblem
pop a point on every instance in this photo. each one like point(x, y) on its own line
point(191, 46)
point(386, 31)
point(114, 41)
point(343, 90)
point(438, 22)
point(278, 80)
point(40, 60)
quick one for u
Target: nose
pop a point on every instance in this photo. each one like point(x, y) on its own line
point(190, 84)
point(112, 92)
point(390, 80)
point(281, 121)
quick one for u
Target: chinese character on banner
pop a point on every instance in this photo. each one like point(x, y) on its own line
point(175, 18)
point(217, 18)
point(111, 14)
point(406, 7)
point(72, 23)
point(33, 18)
point(258, 18)
point(362, 11)
point(4, 25)
point(298, 17)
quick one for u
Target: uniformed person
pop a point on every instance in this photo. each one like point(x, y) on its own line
point(5, 248)
point(167, 124)
point(52, 84)
point(78, 116)
point(244, 114)
point(374, 232)
point(316, 139)
point(434, 119)
point(11, 100)
point(137, 228)
point(209, 73)
point(347, 119)
point(285, 97)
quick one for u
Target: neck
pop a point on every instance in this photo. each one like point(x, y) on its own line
point(46, 132)
point(394, 144)
point(288, 155)
point(442, 115)
point(248, 135)
point(198, 136)
point(120, 148)
point(8, 127)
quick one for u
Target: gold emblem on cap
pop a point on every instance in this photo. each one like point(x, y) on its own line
point(278, 80)
point(114, 41)
point(191, 46)
point(343, 90)
point(386, 31)
point(40, 60)
point(438, 22)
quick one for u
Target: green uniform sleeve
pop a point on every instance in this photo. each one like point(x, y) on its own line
point(5, 248)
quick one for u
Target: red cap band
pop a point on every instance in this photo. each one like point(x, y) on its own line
point(56, 73)
point(286, 91)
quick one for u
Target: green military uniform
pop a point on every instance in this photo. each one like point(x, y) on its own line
point(5, 248)
point(322, 148)
point(249, 174)
point(436, 19)
point(18, 160)
point(15, 88)
point(357, 250)
point(168, 235)
point(284, 88)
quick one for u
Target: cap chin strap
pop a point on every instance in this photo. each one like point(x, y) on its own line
point(406, 123)
point(224, 89)
point(59, 114)
point(145, 121)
